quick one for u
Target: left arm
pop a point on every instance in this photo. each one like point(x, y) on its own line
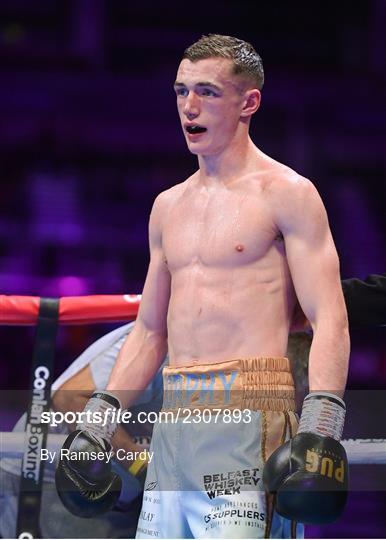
point(298, 466)
point(314, 267)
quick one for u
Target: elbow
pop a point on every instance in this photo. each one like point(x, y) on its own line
point(151, 328)
point(343, 326)
point(154, 339)
point(156, 336)
point(159, 341)
point(345, 336)
point(340, 334)
point(335, 325)
point(150, 331)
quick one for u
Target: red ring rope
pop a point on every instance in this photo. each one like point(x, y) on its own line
point(24, 310)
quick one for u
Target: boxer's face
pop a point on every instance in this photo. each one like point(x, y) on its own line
point(210, 101)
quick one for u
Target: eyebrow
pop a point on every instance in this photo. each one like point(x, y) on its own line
point(201, 84)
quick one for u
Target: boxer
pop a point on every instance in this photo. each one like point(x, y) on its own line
point(231, 250)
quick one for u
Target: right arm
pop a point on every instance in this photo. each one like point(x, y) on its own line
point(145, 347)
point(89, 487)
point(73, 395)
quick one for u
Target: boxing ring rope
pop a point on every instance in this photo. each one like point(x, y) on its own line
point(46, 314)
point(24, 310)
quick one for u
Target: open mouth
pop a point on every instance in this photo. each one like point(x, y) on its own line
point(194, 130)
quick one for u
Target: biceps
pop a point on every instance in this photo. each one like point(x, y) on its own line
point(155, 296)
point(315, 274)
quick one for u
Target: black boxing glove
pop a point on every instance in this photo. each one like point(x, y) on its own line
point(309, 473)
point(85, 482)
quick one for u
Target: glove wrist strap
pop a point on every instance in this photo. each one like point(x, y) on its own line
point(101, 415)
point(323, 413)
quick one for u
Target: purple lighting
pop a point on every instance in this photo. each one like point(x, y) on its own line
point(90, 135)
point(72, 286)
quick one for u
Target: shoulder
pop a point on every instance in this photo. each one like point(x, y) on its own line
point(302, 190)
point(289, 186)
point(166, 198)
point(278, 180)
point(285, 181)
point(295, 200)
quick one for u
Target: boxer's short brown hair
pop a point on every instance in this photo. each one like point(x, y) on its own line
point(245, 59)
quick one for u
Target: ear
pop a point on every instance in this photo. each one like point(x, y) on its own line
point(252, 101)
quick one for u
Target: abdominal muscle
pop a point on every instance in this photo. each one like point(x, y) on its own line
point(231, 291)
point(218, 314)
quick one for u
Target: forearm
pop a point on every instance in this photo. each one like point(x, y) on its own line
point(139, 359)
point(74, 393)
point(68, 400)
point(329, 357)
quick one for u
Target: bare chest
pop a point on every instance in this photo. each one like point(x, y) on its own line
point(232, 229)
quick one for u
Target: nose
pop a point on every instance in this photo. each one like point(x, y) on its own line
point(192, 106)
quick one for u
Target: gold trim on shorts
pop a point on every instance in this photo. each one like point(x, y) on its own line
point(263, 383)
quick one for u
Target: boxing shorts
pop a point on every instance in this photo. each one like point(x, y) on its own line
point(218, 425)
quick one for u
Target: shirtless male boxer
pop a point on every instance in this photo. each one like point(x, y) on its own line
point(232, 247)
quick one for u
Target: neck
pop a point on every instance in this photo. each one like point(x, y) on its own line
point(231, 162)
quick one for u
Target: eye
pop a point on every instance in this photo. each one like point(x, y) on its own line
point(208, 92)
point(181, 91)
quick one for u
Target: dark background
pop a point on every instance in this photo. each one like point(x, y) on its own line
point(89, 135)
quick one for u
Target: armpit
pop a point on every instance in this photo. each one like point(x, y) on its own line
point(279, 237)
